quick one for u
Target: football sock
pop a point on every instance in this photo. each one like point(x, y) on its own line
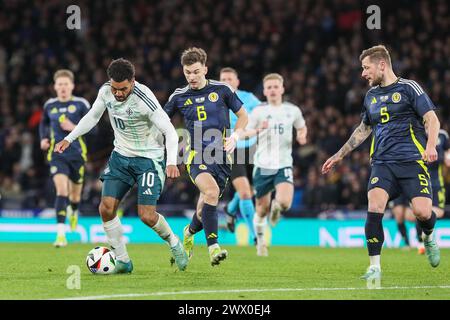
point(60, 229)
point(428, 225)
point(163, 229)
point(210, 223)
point(114, 232)
point(195, 226)
point(402, 228)
point(418, 231)
point(233, 204)
point(375, 260)
point(247, 211)
point(74, 206)
point(61, 204)
point(374, 233)
point(260, 227)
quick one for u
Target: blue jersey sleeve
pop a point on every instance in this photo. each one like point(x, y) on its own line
point(44, 124)
point(420, 101)
point(232, 100)
point(170, 106)
point(364, 114)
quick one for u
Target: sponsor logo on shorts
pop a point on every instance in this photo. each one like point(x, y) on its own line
point(374, 180)
point(53, 169)
point(202, 167)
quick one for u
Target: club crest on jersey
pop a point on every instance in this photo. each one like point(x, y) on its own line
point(213, 97)
point(72, 108)
point(374, 180)
point(396, 97)
point(129, 112)
point(108, 105)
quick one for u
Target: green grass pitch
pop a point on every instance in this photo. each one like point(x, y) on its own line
point(39, 271)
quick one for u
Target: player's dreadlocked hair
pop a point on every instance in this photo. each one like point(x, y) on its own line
point(193, 55)
point(120, 70)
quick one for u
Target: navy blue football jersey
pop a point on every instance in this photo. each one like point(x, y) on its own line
point(395, 113)
point(50, 127)
point(205, 109)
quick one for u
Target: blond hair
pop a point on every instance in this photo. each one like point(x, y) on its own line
point(64, 73)
point(273, 76)
point(193, 55)
point(228, 69)
point(377, 53)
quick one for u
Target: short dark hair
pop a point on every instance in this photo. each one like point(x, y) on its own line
point(120, 70)
point(193, 55)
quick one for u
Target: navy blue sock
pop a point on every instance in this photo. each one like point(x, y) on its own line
point(402, 228)
point(195, 225)
point(428, 225)
point(374, 233)
point(210, 223)
point(61, 204)
point(74, 206)
point(418, 231)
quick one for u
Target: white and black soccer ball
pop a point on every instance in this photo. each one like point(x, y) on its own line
point(101, 260)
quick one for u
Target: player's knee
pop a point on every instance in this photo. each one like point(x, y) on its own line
point(212, 195)
point(263, 209)
point(148, 215)
point(285, 205)
point(422, 213)
point(245, 194)
point(106, 210)
point(74, 198)
point(376, 207)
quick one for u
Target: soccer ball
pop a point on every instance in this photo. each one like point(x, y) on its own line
point(101, 260)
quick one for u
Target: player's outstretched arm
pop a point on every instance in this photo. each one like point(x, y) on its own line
point(301, 135)
point(241, 123)
point(61, 146)
point(358, 136)
point(162, 121)
point(432, 126)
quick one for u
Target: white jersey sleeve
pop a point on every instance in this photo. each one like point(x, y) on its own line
point(253, 119)
point(90, 119)
point(299, 121)
point(162, 122)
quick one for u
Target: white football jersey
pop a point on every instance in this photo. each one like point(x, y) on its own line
point(274, 146)
point(137, 123)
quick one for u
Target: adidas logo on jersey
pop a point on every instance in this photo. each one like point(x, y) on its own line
point(148, 192)
point(188, 102)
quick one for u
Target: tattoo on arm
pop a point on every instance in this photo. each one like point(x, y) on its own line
point(358, 136)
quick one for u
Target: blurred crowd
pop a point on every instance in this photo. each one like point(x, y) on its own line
point(315, 45)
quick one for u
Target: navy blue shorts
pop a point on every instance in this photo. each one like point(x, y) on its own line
point(438, 193)
point(221, 172)
point(408, 178)
point(72, 168)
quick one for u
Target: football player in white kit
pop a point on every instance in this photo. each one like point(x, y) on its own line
point(273, 122)
point(139, 124)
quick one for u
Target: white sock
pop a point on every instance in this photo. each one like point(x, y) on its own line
point(61, 229)
point(375, 261)
point(260, 227)
point(163, 229)
point(114, 232)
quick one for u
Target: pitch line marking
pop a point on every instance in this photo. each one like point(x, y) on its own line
point(175, 293)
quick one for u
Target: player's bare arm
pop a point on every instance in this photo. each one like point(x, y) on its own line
point(432, 127)
point(301, 135)
point(358, 136)
point(241, 123)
